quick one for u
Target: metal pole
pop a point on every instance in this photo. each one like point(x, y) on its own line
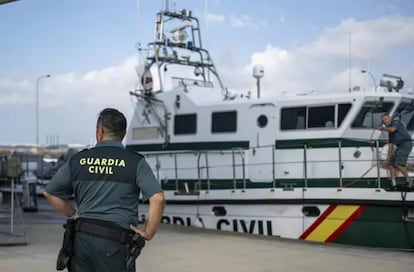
point(37, 111)
point(258, 87)
point(244, 169)
point(157, 166)
point(234, 170)
point(305, 164)
point(340, 162)
point(372, 77)
point(12, 207)
point(350, 61)
point(208, 174)
point(273, 166)
point(176, 172)
point(378, 163)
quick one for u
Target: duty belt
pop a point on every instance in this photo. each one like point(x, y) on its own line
point(104, 229)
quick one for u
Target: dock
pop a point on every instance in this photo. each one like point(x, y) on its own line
point(186, 249)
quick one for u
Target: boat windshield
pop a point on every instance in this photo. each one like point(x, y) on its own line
point(405, 113)
point(371, 113)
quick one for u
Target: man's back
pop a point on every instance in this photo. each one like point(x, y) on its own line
point(400, 135)
point(104, 182)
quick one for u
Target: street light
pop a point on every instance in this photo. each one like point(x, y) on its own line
point(372, 77)
point(37, 110)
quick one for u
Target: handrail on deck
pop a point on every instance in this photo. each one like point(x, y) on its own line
point(241, 153)
point(199, 168)
point(375, 147)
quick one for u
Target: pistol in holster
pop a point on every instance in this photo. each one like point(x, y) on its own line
point(134, 247)
point(66, 252)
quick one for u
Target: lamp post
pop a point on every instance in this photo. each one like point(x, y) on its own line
point(372, 77)
point(37, 110)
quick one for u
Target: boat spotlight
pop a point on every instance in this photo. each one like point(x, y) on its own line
point(391, 82)
point(197, 71)
point(179, 34)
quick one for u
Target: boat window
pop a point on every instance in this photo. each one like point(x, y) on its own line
point(405, 113)
point(343, 110)
point(293, 118)
point(225, 121)
point(262, 121)
point(311, 211)
point(370, 114)
point(321, 117)
point(185, 124)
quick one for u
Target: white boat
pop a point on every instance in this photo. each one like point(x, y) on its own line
point(300, 166)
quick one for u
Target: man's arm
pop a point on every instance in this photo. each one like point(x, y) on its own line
point(59, 189)
point(155, 211)
point(388, 129)
point(63, 206)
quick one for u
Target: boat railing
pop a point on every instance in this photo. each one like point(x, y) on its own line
point(239, 161)
point(235, 153)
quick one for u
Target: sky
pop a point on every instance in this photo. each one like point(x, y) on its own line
point(89, 49)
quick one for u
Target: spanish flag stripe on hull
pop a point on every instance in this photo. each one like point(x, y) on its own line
point(332, 223)
point(346, 224)
point(318, 221)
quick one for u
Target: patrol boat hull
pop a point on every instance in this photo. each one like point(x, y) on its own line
point(302, 166)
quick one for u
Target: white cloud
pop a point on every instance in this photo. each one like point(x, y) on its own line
point(368, 39)
point(323, 65)
point(16, 91)
point(243, 21)
point(68, 103)
point(235, 21)
point(215, 18)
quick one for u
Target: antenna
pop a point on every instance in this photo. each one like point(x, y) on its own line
point(139, 19)
point(350, 61)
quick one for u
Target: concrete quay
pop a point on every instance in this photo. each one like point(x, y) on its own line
point(184, 249)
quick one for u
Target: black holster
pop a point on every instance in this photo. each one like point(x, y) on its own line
point(111, 231)
point(66, 252)
point(134, 246)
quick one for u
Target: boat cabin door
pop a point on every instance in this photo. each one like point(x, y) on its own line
point(262, 118)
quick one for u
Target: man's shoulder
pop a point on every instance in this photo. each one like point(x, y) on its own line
point(396, 123)
point(134, 153)
point(75, 155)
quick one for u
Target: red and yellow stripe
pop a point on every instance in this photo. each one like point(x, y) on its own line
point(332, 223)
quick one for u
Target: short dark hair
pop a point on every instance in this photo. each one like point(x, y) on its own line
point(113, 123)
point(385, 114)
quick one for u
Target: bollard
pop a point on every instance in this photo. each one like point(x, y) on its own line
point(31, 197)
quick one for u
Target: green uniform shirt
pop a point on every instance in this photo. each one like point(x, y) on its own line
point(106, 181)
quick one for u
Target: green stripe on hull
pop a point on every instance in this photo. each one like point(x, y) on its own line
point(279, 144)
point(222, 184)
point(380, 227)
point(189, 146)
point(323, 143)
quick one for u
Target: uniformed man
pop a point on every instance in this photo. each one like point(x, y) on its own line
point(399, 137)
point(106, 181)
